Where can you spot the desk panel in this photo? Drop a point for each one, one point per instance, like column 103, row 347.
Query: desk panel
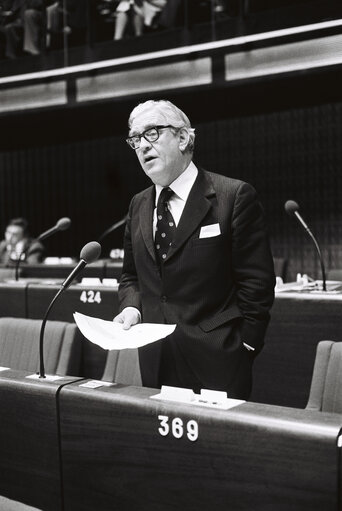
column 252, row 457
column 283, row 370
column 61, row 271
column 97, row 301
column 13, row 299
column 103, row 268
column 29, row 447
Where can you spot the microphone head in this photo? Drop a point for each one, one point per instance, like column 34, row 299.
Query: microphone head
column 90, row 252
column 63, row 223
column 291, row 207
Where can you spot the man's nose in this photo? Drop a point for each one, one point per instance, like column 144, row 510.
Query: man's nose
column 144, row 144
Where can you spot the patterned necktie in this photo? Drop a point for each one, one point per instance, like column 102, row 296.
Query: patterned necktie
column 166, row 226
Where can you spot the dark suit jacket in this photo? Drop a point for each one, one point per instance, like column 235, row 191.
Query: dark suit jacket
column 217, row 290
column 34, row 252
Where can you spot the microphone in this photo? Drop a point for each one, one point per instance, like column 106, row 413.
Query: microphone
column 62, row 224
column 113, row 228
column 291, row 208
column 89, row 253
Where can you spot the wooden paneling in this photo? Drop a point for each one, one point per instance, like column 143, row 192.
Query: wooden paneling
column 29, row 442
column 250, row 457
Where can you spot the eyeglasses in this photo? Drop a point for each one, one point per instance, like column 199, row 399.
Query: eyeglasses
column 151, row 135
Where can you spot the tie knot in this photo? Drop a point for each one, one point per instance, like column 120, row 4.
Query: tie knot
column 165, row 195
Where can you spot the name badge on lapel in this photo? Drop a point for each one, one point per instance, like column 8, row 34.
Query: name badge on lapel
column 209, row 231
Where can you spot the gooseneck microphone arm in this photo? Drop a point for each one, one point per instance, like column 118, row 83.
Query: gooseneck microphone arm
column 113, row 227
column 17, row 264
column 291, row 207
column 41, row 336
column 62, row 224
column 89, row 253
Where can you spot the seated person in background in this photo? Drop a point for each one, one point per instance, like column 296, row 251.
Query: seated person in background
column 17, row 241
column 34, row 25
column 144, row 13
column 151, row 11
column 22, row 23
column 74, row 18
column 11, row 30
column 123, row 11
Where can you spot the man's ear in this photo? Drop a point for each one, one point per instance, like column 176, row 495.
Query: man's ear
column 184, row 138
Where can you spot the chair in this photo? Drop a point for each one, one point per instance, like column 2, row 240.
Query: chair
column 326, row 384
column 122, row 366
column 19, row 346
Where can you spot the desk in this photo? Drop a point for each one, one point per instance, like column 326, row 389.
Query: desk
column 252, row 457
column 101, row 269
column 109, row 448
column 283, row 370
column 30, row 456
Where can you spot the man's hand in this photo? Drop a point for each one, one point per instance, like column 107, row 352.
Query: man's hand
column 128, row 317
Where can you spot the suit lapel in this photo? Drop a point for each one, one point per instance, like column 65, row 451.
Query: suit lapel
column 196, row 208
column 146, row 220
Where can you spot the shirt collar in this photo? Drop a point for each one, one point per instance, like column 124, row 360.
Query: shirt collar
column 183, row 184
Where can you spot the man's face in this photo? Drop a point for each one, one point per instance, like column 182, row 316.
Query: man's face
column 162, row 160
column 14, row 234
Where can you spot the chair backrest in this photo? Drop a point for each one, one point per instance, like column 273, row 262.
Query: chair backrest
column 326, row 384
column 122, row 366
column 19, row 346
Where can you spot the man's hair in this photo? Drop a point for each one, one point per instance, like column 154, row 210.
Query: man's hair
column 20, row 222
column 172, row 115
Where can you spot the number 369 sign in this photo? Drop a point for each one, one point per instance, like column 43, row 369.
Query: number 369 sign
column 177, row 428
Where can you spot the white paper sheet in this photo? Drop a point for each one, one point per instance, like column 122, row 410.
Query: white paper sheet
column 111, row 336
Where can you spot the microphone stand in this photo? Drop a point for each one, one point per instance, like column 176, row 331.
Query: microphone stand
column 89, row 254
column 291, row 208
column 17, row 264
column 41, row 338
column 324, row 284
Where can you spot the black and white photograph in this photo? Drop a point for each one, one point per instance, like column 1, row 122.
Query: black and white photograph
column 170, row 255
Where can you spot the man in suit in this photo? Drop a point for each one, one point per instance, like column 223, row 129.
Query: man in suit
column 18, row 242
column 197, row 255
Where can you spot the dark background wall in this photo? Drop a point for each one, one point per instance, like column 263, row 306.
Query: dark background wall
column 284, row 138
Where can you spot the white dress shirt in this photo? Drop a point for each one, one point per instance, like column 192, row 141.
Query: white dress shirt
column 181, row 188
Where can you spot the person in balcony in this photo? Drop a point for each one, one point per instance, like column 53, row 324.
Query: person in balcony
column 143, row 12
column 22, row 26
